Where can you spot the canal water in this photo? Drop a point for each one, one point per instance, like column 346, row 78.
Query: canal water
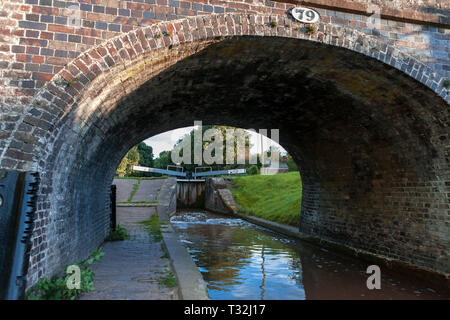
column 240, row 260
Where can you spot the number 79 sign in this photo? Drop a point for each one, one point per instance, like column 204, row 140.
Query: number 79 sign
column 305, row 15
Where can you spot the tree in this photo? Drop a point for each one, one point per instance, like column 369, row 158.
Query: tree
column 205, row 144
column 131, row 159
column 145, row 158
column 145, row 155
column 163, row 160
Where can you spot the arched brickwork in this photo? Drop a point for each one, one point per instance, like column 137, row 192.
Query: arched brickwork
column 369, row 138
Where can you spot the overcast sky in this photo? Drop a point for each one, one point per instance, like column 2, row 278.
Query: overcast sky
column 165, row 141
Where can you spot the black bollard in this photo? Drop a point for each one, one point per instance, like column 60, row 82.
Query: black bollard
column 113, row 206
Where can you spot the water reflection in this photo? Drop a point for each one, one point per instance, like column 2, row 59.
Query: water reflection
column 239, row 260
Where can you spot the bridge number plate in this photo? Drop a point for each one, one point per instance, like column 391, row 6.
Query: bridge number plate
column 305, row 15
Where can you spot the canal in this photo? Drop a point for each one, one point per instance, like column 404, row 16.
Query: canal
column 239, row 260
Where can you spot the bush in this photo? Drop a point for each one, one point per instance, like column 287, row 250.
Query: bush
column 253, row 170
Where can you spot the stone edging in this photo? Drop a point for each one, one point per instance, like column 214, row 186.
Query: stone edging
column 191, row 285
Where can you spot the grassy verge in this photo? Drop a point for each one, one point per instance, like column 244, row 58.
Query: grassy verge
column 56, row 288
column 272, row 197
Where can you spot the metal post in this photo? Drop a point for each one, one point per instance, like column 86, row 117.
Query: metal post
column 113, row 206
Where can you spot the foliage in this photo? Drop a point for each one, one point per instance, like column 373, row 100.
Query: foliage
column 145, row 158
column 447, row 83
column 311, row 29
column 253, row 170
column 272, row 197
column 55, row 288
column 169, row 280
column 291, row 164
column 205, row 144
column 118, row 234
column 273, row 24
column 131, row 159
column 154, row 227
column 163, row 160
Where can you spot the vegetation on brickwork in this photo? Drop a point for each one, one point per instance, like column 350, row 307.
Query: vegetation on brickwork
column 273, row 197
column 273, row 24
column 311, row 29
column 158, row 35
column 118, row 234
column 56, row 288
column 153, row 226
column 447, row 83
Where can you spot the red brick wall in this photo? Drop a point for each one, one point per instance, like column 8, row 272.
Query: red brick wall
column 37, row 131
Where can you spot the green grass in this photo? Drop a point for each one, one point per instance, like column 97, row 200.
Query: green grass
column 272, row 197
column 133, row 192
column 169, row 280
column 154, row 227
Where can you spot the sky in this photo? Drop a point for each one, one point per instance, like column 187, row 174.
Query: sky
column 165, row 141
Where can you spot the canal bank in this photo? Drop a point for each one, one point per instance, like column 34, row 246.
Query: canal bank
column 191, row 285
column 218, row 198
column 241, row 260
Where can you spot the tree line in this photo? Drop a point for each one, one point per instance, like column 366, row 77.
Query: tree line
column 142, row 155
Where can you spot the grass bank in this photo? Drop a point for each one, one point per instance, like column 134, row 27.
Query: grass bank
column 272, row 197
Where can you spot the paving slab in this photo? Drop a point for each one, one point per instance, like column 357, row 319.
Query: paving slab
column 124, row 187
column 130, row 269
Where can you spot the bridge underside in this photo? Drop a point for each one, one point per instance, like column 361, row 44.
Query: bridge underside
column 370, row 141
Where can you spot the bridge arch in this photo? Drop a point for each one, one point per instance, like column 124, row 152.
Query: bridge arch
column 369, row 138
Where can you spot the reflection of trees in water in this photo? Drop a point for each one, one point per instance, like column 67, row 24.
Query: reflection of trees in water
column 224, row 251
column 218, row 253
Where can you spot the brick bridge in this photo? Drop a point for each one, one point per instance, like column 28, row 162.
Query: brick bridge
column 363, row 111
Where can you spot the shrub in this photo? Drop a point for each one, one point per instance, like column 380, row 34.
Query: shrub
column 253, row 170
column 120, row 233
column 55, row 288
